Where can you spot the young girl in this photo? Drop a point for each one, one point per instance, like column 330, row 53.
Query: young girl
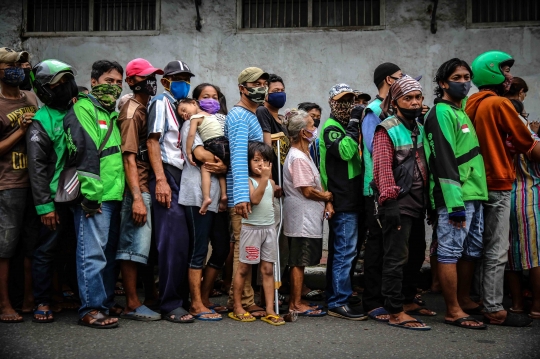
column 258, row 242
column 215, row 144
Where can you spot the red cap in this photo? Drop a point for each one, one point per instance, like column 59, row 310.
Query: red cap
column 141, row 67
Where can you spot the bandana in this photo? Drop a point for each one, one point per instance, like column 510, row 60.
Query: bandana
column 107, row 95
column 341, row 111
column 399, row 89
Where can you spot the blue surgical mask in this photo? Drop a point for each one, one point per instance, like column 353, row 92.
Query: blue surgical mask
column 277, row 99
column 13, row 76
column 179, row 89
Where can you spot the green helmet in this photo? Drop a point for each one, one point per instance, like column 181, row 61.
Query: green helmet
column 49, row 72
column 487, row 68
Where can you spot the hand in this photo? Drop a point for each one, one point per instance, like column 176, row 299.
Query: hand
column 328, row 196
column 278, row 191
column 425, row 109
column 392, row 215
column 163, row 193
column 190, row 159
column 431, row 217
column 458, row 219
column 329, row 210
column 534, row 126
column 26, row 121
column 243, row 209
column 265, row 171
column 139, row 212
column 217, row 168
column 89, row 212
column 357, row 112
column 50, row 220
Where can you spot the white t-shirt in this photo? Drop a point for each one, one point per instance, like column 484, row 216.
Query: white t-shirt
column 302, row 217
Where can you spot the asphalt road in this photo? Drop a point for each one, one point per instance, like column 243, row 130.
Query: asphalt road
column 326, row 337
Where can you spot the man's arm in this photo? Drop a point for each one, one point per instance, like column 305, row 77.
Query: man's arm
column 383, row 175
column 519, row 133
column 7, row 143
column 132, row 177
column 156, row 127
column 340, row 144
column 369, row 124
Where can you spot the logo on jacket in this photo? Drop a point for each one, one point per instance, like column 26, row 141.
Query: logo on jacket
column 35, row 137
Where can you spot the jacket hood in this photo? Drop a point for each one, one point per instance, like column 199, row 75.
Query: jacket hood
column 474, row 101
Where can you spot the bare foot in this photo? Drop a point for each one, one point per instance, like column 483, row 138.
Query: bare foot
column 202, row 309
column 204, row 205
column 223, row 204
column 403, row 317
column 9, row 315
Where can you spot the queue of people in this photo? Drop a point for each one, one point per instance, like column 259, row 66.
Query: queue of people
column 155, row 183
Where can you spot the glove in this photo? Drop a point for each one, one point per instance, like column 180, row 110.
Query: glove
column 89, row 208
column 391, row 213
column 353, row 129
column 357, row 112
column 457, row 217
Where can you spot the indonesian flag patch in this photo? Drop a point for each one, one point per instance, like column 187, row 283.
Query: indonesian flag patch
column 465, row 128
column 103, row 124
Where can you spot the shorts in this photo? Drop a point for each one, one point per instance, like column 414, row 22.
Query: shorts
column 465, row 243
column 18, row 221
column 219, row 146
column 258, row 243
column 305, row 252
column 134, row 241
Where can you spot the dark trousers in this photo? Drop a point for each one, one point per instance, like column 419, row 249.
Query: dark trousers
column 373, row 260
column 404, row 252
column 172, row 241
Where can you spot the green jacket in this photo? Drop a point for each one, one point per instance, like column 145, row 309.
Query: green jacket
column 453, row 154
column 46, row 148
column 102, row 177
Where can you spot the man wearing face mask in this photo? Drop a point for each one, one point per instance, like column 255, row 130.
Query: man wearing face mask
column 453, row 154
column 135, row 217
column 497, row 121
column 18, row 220
column 400, row 175
column 27, row 84
column 166, row 159
column 90, row 125
column 55, row 86
column 340, row 174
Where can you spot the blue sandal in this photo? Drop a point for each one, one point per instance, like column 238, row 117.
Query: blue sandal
column 45, row 313
column 377, row 312
column 199, row 316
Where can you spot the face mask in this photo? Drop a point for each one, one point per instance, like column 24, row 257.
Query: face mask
column 507, row 82
column 316, row 123
column 107, row 94
column 458, row 90
column 179, row 89
column 410, row 113
column 63, row 95
column 209, row 105
column 13, row 76
column 313, row 135
column 147, row 86
column 277, row 99
column 341, row 111
column 256, row 94
column 26, row 84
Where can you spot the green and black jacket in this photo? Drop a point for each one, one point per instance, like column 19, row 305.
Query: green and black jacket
column 453, row 154
column 101, row 177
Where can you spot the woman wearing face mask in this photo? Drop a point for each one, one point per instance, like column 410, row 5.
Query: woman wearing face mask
column 306, row 205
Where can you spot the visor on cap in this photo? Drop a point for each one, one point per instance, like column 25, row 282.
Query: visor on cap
column 252, row 74
column 9, row 55
column 59, row 75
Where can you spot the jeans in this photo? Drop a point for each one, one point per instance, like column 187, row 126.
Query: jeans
column 496, row 244
column 46, row 253
column 344, row 226
column 134, row 242
column 97, row 239
column 404, row 252
column 373, row 260
column 211, row 227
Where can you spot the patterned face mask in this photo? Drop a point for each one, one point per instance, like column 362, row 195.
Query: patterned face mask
column 107, row 94
column 341, row 111
column 256, row 94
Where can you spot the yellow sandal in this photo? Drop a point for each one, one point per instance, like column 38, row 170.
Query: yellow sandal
column 269, row 317
column 246, row 317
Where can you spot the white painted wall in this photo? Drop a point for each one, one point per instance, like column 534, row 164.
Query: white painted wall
column 309, row 62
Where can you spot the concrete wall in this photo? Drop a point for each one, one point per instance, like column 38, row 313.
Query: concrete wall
column 309, row 62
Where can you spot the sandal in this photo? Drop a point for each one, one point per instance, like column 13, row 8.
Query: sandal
column 218, row 308
column 273, row 319
column 178, row 313
column 404, row 326
column 311, row 313
column 316, row 295
column 116, row 311
column 418, row 300
column 45, row 313
column 378, row 312
column 245, row 317
column 142, row 313
column 200, row 316
column 3, row 318
column 418, row 311
column 534, row 315
column 459, row 323
column 511, row 320
column 94, row 319
column 119, row 290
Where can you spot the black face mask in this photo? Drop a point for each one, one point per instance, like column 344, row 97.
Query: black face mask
column 63, row 95
column 316, row 123
column 147, row 86
column 410, row 113
column 458, row 90
column 26, row 84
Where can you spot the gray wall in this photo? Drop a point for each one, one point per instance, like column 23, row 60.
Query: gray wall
column 309, row 62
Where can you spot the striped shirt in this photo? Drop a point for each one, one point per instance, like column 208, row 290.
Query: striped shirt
column 162, row 119
column 241, row 126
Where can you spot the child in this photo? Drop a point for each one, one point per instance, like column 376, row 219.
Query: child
column 258, row 241
column 215, row 144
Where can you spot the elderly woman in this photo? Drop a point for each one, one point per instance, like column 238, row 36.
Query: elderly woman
column 305, row 207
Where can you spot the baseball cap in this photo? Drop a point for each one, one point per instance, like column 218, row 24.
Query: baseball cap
column 339, row 90
column 141, row 67
column 177, row 67
column 358, row 93
column 59, row 75
column 9, row 55
column 252, row 74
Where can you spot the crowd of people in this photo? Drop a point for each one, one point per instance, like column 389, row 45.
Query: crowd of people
column 93, row 185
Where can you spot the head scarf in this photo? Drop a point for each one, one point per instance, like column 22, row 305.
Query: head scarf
column 399, row 89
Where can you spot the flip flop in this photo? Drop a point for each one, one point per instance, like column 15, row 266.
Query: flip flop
column 315, row 294
column 178, row 314
column 402, row 325
column 199, row 316
column 418, row 313
column 245, row 317
column 459, row 323
column 14, row 315
column 376, row 312
column 218, row 308
column 512, row 320
column 309, row 313
column 269, row 317
column 142, row 313
column 99, row 318
column 45, row 313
